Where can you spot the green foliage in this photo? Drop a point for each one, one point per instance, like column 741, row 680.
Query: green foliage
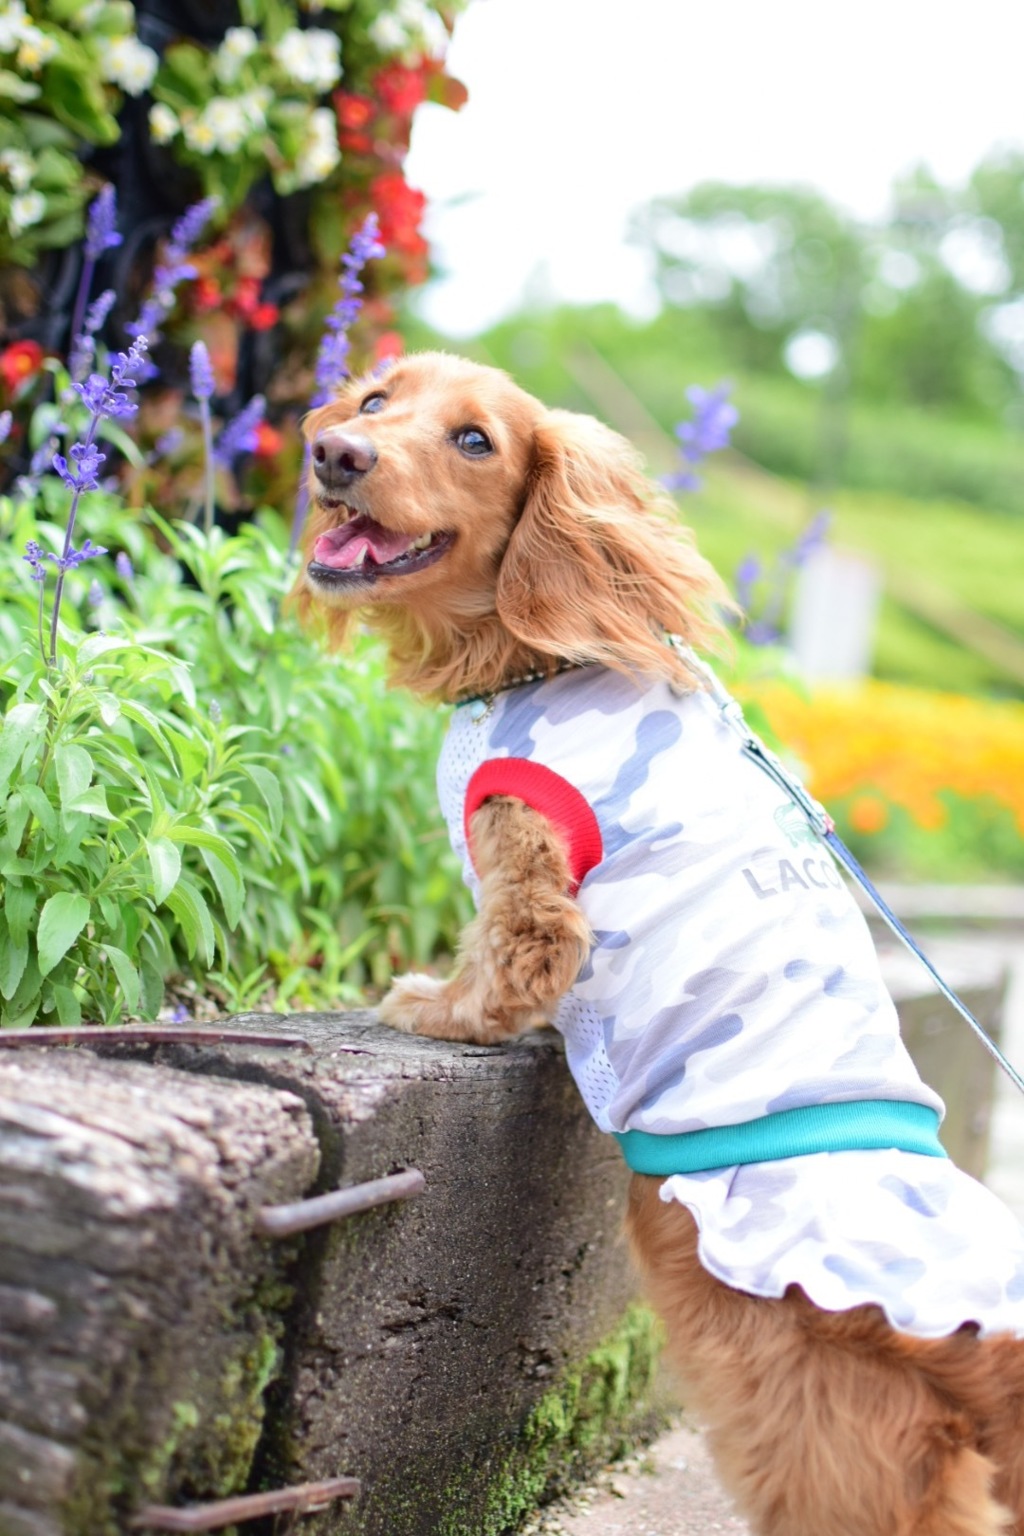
column 197, row 789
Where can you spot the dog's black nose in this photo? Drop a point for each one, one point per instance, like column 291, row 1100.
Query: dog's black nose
column 339, row 458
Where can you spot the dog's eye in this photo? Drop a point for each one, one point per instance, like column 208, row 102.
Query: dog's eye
column 372, row 404
column 473, row 443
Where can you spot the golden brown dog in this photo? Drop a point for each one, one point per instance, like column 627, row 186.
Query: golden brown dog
column 491, row 541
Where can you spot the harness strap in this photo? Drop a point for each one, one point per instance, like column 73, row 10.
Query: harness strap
column 822, row 823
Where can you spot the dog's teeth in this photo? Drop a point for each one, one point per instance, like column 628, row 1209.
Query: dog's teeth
column 360, row 558
column 422, row 541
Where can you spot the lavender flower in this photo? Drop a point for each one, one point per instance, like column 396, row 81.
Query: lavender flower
column 35, row 555
column 332, row 359
column 101, row 397
column 82, row 474
column 240, row 434
column 713, row 420
column 6, row 419
column 124, row 567
column 175, row 268
column 169, row 442
column 100, row 236
column 83, row 347
column 201, row 371
column 216, row 713
column 764, row 627
column 96, row 595
column 101, row 225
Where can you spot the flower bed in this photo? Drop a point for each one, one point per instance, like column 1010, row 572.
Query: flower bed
column 920, row 783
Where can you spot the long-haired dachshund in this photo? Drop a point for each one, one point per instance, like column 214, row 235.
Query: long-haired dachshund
column 844, row 1305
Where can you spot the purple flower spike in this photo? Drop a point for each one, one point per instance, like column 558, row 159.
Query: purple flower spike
column 239, row 436
column 6, row 420
column 96, row 595
column 124, row 567
column 332, row 359
column 191, row 225
column 714, row 418
column 201, row 370
column 101, row 225
column 83, row 473
column 34, row 556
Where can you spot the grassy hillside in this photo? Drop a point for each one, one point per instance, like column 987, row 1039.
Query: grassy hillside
column 937, row 503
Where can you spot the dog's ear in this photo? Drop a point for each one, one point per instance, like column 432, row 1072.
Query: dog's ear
column 598, row 566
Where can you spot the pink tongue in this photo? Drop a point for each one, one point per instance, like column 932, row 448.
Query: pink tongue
column 342, row 548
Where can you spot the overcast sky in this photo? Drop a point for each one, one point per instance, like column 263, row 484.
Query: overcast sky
column 581, row 110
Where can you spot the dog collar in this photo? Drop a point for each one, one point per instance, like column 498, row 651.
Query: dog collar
column 539, row 675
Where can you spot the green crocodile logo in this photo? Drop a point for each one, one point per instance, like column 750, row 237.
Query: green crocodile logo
column 791, row 821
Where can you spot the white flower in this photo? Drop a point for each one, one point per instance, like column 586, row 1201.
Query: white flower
column 27, row 208
column 35, row 48
column 163, row 123
column 17, row 166
column 238, row 44
column 312, row 57
column 387, row 33
column 199, row 135
column 254, row 105
column 14, row 23
column 424, row 25
column 319, row 153
column 126, row 62
column 228, row 122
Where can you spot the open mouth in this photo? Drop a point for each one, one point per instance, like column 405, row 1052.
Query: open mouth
column 362, row 551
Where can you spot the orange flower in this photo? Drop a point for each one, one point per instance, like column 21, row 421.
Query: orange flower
column 868, row 814
column 269, row 441
column 18, row 362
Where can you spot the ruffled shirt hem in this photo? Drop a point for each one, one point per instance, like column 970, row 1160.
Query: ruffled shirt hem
column 912, row 1235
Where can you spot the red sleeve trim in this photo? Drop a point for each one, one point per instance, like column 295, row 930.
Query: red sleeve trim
column 548, row 793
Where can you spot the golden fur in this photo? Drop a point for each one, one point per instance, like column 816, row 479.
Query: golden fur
column 823, row 1424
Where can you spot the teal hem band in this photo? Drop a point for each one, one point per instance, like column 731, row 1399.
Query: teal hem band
column 861, row 1126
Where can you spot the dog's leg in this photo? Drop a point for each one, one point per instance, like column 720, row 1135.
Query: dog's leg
column 522, row 951
column 819, row 1422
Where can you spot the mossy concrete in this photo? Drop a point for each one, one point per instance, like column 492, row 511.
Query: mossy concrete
column 462, row 1353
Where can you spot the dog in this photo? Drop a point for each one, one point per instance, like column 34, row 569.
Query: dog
column 844, row 1306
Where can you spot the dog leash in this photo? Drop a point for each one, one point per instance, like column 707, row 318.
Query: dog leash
column 824, row 827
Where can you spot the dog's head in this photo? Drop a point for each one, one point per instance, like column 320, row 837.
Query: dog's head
column 485, row 534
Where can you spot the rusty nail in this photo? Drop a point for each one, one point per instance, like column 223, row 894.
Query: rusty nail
column 143, row 1034
column 283, row 1220
column 302, row 1499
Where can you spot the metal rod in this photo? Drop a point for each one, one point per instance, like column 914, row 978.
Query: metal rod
column 145, row 1034
column 302, row 1500
column 283, row 1220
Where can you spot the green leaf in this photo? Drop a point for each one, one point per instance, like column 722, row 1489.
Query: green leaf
column 230, row 886
column 165, row 863
column 69, row 1009
column 76, row 96
column 74, row 772
column 60, row 922
column 19, row 905
column 13, row 958
column 16, row 89
column 187, row 903
column 94, row 803
column 152, row 989
column 270, row 793
column 39, row 804
column 127, row 975
column 21, row 724
column 17, row 819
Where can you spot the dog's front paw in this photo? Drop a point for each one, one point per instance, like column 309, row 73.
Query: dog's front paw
column 415, row 1004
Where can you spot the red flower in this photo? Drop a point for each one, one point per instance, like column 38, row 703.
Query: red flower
column 269, row 441
column 388, row 346
column 399, row 209
column 247, row 296
column 18, row 362
column 264, row 316
column 400, row 89
column 353, row 111
column 356, row 143
column 207, row 293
